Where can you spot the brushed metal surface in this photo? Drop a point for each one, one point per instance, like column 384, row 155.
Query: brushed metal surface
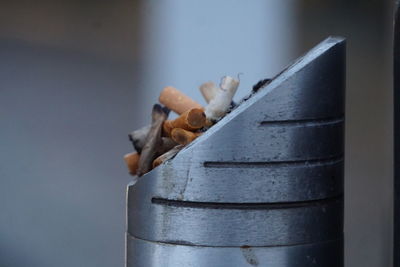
column 154, row 254
column 216, row 224
column 259, row 182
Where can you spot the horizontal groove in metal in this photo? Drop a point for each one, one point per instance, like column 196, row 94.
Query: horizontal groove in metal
column 303, row 123
column 243, row 206
column 286, row 163
column 232, row 227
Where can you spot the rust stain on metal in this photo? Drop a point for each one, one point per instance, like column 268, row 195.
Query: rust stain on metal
column 249, row 255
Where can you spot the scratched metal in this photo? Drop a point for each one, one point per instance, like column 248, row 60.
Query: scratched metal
column 256, row 182
column 213, row 224
column 270, row 173
column 153, row 254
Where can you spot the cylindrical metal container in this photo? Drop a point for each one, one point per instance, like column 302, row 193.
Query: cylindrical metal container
column 263, row 187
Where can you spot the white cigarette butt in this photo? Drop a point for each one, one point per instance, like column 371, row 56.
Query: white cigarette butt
column 220, row 104
column 208, row 90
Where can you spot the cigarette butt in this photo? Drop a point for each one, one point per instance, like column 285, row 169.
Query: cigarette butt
column 220, row 104
column 182, row 136
column 138, row 137
column 132, row 161
column 166, row 156
column 209, row 123
column 190, row 120
column 166, row 145
column 208, row 90
column 175, row 100
column 153, row 140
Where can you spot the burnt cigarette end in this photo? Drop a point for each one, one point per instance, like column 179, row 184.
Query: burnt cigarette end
column 261, row 84
column 157, row 108
column 153, row 140
column 138, row 138
column 166, row 110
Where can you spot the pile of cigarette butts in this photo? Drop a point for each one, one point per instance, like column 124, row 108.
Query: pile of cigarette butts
column 163, row 138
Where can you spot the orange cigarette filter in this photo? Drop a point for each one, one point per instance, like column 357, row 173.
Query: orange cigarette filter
column 175, row 100
column 158, row 161
column 183, row 137
column 190, row 120
column 132, row 161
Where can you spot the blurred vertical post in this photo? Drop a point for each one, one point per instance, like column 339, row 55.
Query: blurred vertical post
column 367, row 26
column 396, row 92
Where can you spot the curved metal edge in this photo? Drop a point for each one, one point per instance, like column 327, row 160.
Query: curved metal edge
column 141, row 253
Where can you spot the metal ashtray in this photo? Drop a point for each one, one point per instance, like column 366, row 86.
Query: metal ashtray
column 262, row 187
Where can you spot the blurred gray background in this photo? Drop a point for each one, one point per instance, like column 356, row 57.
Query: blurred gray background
column 77, row 76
